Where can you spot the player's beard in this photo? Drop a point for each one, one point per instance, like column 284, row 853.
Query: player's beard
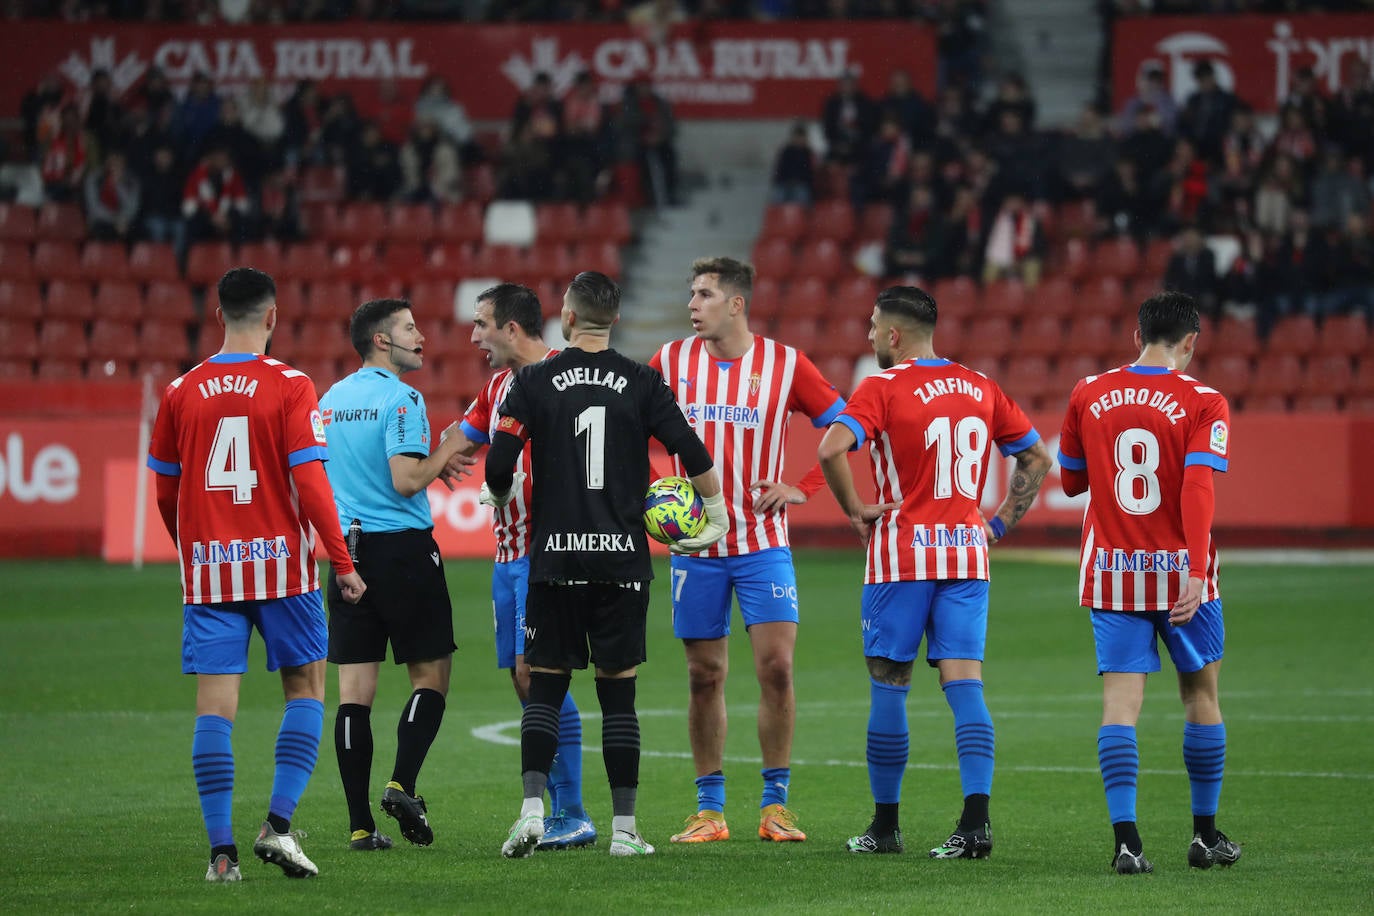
column 884, row 358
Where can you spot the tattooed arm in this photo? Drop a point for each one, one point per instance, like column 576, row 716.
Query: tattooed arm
column 1031, row 467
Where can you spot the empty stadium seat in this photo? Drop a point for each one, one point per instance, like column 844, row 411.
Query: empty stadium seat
column 60, row 368
column 449, row 261
column 783, row 221
column 316, row 217
column 104, row 261
column 60, row 222
column 838, row 371
column 1157, row 255
column 18, row 339
column 855, row 296
column 1041, row 335
column 69, row 299
column 832, row 219
column 308, row 261
column 432, row 300
column 821, row 258
column 264, row 256
column 62, row 337
column 465, row 295
column 1102, row 295
column 358, row 262
column 773, row 257
column 113, row 339
column 805, row 300
column 1330, row 374
column 460, row 222
column 956, row 297
column 1279, row 374
column 766, row 301
column 551, row 260
column 410, row 223
column 1265, row 403
column 323, row 184
column 988, row 337
column 378, row 288
column 1296, row 334
column 164, row 340
column 1069, row 369
column 16, row 261
column 1233, row 336
column 506, row 261
column 874, row 223
column 1054, row 296
column 153, row 261
column 171, row 301
column 328, row 300
column 1004, row 298
column 119, row 300
column 1072, row 258
column 608, row 220
column 16, row 369
column 358, row 223
column 1347, row 335
column 57, row 260
column 1096, row 336
column 509, row 222
column 557, row 222
column 479, row 183
column 20, row 300
column 17, row 223
column 864, row 366
column 1315, row 403
column 1230, row 374
column 207, row 262
column 599, row 256
column 1028, row 378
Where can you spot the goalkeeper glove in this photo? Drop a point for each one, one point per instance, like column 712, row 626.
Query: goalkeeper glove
column 499, row 502
column 717, row 523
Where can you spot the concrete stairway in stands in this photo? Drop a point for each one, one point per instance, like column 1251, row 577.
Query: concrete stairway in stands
column 1056, row 45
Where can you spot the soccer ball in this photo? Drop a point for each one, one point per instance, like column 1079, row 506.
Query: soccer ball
column 673, row 510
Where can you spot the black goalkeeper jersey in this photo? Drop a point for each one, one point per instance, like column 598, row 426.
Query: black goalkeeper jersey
column 589, row 417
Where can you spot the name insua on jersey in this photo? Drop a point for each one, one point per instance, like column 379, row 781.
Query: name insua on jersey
column 239, row 551
column 940, row 387
column 736, row 414
column 1139, row 397
column 582, row 375
column 1173, row 561
column 579, row 542
column 948, row 537
column 228, row 384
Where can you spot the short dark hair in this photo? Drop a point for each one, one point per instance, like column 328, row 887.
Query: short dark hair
column 513, row 302
column 595, row 297
column 369, row 318
column 909, row 303
column 737, row 276
column 1167, row 318
column 244, row 292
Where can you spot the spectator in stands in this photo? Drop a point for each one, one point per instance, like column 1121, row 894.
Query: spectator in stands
column 1229, row 192
column 909, row 107
column 1022, row 157
column 847, row 118
column 1084, row 158
column 394, row 116
column 1351, row 270
column 1244, row 138
column 1244, row 287
column 535, row 129
column 196, row 116
column 1296, row 140
column 960, row 28
column 1338, row 190
column 1207, row 114
column 1011, row 96
column 1280, row 190
column 881, row 176
column 1181, row 189
column 586, row 156
column 430, row 171
column 262, row 117
column 1350, row 119
column 1016, row 244
column 244, row 150
column 1193, row 270
column 1306, row 96
column 1153, row 95
column 647, row 126
column 373, row 166
column 148, row 130
column 155, row 94
column 160, row 214
column 339, row 128
column 104, row 116
column 65, row 158
column 794, row 169
column 112, row 199
column 1147, row 146
column 436, row 103
column 1301, row 266
column 41, row 110
column 955, row 119
column 917, row 240
column 215, row 201
column 964, row 233
column 303, row 121
column 653, row 20
column 1123, row 207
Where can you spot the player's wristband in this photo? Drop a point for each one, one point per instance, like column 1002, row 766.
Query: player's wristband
column 999, row 527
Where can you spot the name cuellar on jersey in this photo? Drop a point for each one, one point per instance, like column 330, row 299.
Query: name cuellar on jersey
column 510, row 523
column 587, row 418
column 231, row 429
column 930, row 425
column 740, row 410
column 1133, row 430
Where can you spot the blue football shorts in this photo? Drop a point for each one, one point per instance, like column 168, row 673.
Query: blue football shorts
column 510, row 587
column 764, row 583
column 214, row 637
column 952, row 615
column 1128, row 641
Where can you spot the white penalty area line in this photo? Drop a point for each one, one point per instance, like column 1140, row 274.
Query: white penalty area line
column 507, row 734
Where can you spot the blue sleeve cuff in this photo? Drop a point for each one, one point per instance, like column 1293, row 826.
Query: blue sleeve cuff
column 1020, row 445
column 830, row 414
column 854, row 428
column 1072, row 464
column 165, row 468
column 1215, row 462
column 313, row 453
column 474, row 434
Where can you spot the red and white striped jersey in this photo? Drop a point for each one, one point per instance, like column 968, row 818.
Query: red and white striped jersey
column 232, row 429
column 1133, row 430
column 511, row 523
column 740, row 409
column 930, row 425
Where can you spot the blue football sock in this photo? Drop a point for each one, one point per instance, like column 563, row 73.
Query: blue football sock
column 775, row 782
column 565, row 776
column 973, row 737
column 889, row 741
column 711, row 792
column 298, row 746
column 1119, row 758
column 212, row 760
column 1204, row 756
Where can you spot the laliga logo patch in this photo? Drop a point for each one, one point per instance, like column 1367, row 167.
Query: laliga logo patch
column 1219, row 437
column 317, row 424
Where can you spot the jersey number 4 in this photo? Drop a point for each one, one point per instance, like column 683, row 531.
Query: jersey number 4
column 230, row 464
column 959, row 455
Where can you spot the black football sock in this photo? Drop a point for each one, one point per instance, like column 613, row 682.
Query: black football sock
column 1126, row 833
column 278, row 823
column 415, row 732
column 353, row 748
column 975, row 812
column 885, row 818
column 1205, row 826
column 231, row 851
column 539, row 723
column 619, row 731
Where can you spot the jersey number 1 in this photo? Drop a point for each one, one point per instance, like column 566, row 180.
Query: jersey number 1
column 958, row 455
column 230, row 464
column 592, row 421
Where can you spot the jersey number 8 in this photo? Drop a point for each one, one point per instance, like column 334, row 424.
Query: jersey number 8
column 1137, row 459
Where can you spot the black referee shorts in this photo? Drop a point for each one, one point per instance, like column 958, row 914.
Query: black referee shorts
column 563, row 621
column 406, row 601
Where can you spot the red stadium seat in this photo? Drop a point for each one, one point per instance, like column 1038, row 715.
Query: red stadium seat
column 316, row 218
column 821, row 258
column 599, row 256
column 67, row 299
column 323, row 184
column 1157, row 255
column 557, row 222
column 806, row 299
column 1073, row 257
column 838, row 371
column 17, row 223
column 1347, row 335
column 479, row 183
column 988, row 337
column 120, row 301
column 1118, row 257
column 63, row 337
column 552, row 260
column 1266, row 403
column 450, row 262
column 783, row 221
column 1102, row 296
column 1234, row 336
column 1277, row 375
column 18, row 339
column 410, row 223
column 950, row 334
column 1004, row 298
column 20, row 300
column 379, row 288
column 874, row 223
column 264, row 256
column 150, row 262
column 16, row 369
column 1316, row 403
column 1028, row 378
column 855, row 296
column 1328, row 375
column 355, row 262
column 432, row 300
column 165, row 340
column 55, row 260
column 1295, row 334
column 61, row 222
column 766, row 301
column 114, row 340
column 104, row 261
column 1096, row 336
column 308, row 262
column 460, row 223
column 1229, row 374
column 61, row 368
column 608, row 220
column 832, row 219
column 361, row 223
column 505, row 262
column 403, row 259
column 1053, row 296
column 1042, row 335
column 171, row 301
column 1075, row 220
column 957, row 298
column 329, row 301
column 1069, row 369
column 773, row 257
column 16, row 261
column 207, row 262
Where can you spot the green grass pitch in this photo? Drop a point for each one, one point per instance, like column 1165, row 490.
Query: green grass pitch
column 99, row 811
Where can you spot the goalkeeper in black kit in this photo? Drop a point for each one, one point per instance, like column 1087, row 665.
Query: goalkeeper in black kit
column 588, row 413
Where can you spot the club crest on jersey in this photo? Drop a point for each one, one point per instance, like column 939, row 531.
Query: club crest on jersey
column 317, row 424
column 734, row 414
column 1219, row 437
column 755, row 382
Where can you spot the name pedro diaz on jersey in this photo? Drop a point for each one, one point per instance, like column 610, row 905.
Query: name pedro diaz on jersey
column 1138, row 397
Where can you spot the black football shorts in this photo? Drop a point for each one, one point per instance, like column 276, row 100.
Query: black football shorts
column 563, row 621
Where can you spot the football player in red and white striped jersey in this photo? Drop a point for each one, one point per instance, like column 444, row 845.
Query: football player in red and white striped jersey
column 739, row 390
column 930, row 424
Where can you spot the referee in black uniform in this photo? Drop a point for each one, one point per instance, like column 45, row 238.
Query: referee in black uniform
column 380, row 465
column 588, row 413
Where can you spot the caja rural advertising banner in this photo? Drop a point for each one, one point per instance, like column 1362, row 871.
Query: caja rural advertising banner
column 707, row 70
column 1255, row 57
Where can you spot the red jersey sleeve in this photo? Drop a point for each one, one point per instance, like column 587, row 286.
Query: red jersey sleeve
column 164, row 457
column 813, row 395
column 866, row 411
column 1012, row 430
column 1071, row 457
column 477, row 420
column 1209, row 441
column 304, row 432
